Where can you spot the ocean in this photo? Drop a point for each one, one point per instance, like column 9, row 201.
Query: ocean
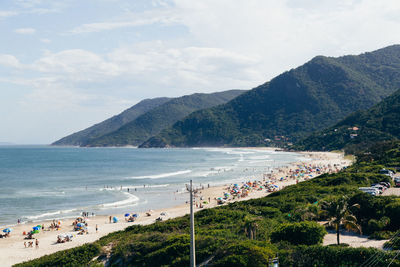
column 44, row 182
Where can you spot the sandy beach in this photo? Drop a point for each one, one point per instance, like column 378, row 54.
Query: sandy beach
column 12, row 249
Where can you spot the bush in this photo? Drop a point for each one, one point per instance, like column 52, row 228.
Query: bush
column 334, row 256
column 393, row 212
column 243, row 254
column 393, row 244
column 79, row 256
column 307, row 233
column 375, row 225
column 381, row 235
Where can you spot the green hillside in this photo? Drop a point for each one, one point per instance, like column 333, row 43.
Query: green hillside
column 111, row 124
column 161, row 117
column 296, row 103
column 379, row 123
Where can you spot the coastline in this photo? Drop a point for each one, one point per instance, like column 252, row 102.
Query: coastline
column 13, row 250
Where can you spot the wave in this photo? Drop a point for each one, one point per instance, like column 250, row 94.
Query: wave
column 50, row 214
column 260, row 157
column 141, row 186
column 132, row 199
column 162, row 175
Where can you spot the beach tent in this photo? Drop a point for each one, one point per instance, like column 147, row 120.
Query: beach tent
column 115, row 219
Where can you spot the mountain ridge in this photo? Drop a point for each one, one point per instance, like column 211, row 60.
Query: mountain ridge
column 292, row 105
column 110, row 124
column 152, row 122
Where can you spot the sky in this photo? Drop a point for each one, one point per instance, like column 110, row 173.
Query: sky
column 68, row 64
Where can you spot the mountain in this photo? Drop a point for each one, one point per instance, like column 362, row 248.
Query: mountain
column 111, row 124
column 161, row 117
column 296, row 103
column 379, row 123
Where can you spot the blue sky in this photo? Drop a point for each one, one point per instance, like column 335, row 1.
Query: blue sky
column 67, row 64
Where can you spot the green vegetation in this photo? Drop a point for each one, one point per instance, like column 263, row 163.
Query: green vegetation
column 71, row 257
column 152, row 122
column 252, row 232
column 299, row 233
column 294, row 104
column 360, row 129
column 111, row 124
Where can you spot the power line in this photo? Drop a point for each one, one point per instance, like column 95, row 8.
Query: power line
column 374, row 259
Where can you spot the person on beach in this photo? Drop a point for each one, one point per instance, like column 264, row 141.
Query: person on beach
column 37, row 243
column 109, row 218
column 97, row 228
column 25, row 244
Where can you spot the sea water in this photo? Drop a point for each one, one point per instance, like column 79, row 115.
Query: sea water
column 44, row 182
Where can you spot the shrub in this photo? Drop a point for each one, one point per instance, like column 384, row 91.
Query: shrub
column 334, row 256
column 381, row 235
column 243, row 254
column 393, row 212
column 79, row 256
column 307, row 233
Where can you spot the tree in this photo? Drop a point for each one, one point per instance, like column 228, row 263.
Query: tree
column 250, row 227
column 339, row 213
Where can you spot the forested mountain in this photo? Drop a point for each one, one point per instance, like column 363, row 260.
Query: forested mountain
column 161, row 117
column 111, row 124
column 296, row 103
column 379, row 123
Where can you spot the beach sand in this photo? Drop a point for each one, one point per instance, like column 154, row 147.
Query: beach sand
column 12, row 249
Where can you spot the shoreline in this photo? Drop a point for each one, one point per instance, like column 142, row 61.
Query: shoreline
column 13, row 250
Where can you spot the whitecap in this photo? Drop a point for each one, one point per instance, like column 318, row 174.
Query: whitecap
column 162, row 175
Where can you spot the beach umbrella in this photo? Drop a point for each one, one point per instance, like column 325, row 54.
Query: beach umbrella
column 36, row 228
column 7, row 230
column 134, row 215
column 39, row 226
column 115, row 219
column 127, row 214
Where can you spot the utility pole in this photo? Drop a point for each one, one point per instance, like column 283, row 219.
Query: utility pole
column 192, row 242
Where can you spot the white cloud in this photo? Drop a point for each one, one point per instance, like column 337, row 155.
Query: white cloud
column 9, row 61
column 26, row 31
column 76, row 65
column 129, row 20
column 5, row 14
column 45, row 40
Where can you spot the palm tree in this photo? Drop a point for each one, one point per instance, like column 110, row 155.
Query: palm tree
column 339, row 213
column 250, row 227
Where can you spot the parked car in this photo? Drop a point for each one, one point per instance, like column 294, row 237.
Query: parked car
column 381, row 188
column 397, row 181
column 387, row 184
column 370, row 190
column 386, row 172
